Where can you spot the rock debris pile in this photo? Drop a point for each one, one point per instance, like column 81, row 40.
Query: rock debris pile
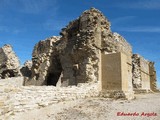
column 16, row 98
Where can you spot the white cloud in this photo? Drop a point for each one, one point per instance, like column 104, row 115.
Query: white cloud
column 6, row 29
column 56, row 24
column 124, row 19
column 36, row 6
column 29, row 6
column 140, row 29
column 141, row 4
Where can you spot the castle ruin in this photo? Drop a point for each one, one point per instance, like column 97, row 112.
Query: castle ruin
column 89, row 52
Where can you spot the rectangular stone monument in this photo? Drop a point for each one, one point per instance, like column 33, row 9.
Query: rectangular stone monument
column 115, row 76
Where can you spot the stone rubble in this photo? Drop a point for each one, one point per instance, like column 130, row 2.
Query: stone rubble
column 16, row 98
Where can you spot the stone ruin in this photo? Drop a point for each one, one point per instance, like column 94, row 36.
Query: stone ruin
column 153, row 79
column 144, row 74
column 89, row 52
column 9, row 63
column 26, row 69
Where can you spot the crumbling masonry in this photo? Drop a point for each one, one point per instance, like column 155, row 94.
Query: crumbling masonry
column 9, row 63
column 89, row 52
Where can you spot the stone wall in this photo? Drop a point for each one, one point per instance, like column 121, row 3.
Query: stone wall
column 115, row 76
column 26, row 69
column 86, row 38
column 76, row 56
column 153, row 78
column 9, row 63
column 141, row 76
column 46, row 68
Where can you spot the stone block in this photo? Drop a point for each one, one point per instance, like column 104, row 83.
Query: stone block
column 115, row 75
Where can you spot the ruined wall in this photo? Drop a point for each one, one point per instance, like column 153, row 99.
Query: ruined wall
column 9, row 63
column 86, row 38
column 46, row 67
column 141, row 77
column 153, row 77
column 26, row 69
column 83, row 44
column 124, row 47
column 76, row 56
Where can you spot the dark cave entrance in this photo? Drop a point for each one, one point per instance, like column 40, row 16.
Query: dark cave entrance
column 54, row 71
column 53, row 78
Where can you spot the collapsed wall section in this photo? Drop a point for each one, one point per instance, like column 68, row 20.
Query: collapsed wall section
column 153, row 77
column 26, row 69
column 141, row 75
column 46, row 68
column 9, row 63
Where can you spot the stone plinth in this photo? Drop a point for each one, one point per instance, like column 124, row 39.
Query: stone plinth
column 115, row 76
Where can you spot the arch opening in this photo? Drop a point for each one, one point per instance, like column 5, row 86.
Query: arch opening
column 54, row 71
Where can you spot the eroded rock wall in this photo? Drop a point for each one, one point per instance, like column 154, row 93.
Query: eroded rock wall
column 86, row 39
column 46, row 66
column 26, row 69
column 141, row 76
column 153, row 77
column 76, row 56
column 9, row 63
column 81, row 55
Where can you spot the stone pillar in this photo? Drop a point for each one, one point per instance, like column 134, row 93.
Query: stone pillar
column 115, row 76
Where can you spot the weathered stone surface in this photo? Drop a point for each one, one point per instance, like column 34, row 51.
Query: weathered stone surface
column 115, row 76
column 16, row 98
column 26, row 69
column 141, row 77
column 153, row 78
column 46, row 68
column 86, row 38
column 75, row 57
column 9, row 63
column 137, row 82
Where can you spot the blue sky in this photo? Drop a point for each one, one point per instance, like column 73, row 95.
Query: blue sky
column 24, row 22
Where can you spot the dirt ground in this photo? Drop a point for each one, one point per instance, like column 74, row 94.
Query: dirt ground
column 144, row 107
